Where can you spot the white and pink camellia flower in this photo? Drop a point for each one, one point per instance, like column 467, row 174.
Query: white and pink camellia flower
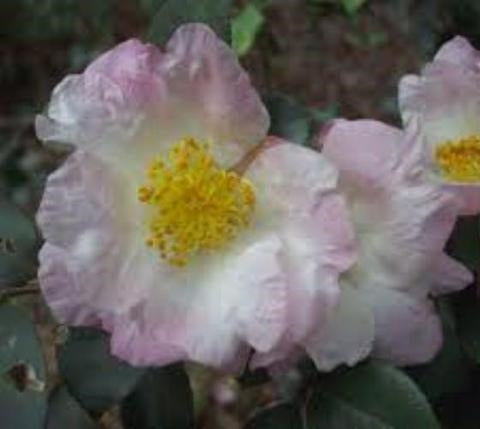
column 176, row 224
column 444, row 100
column 402, row 222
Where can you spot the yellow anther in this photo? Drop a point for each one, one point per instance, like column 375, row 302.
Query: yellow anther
column 459, row 160
column 144, row 194
column 197, row 205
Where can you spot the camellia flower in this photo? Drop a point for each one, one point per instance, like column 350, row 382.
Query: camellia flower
column 445, row 102
column 176, row 225
column 402, row 223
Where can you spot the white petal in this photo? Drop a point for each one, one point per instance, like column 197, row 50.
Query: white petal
column 348, row 336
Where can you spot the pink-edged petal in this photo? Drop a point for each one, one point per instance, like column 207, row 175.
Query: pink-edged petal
column 364, row 151
column 449, row 275
column 262, row 303
column 242, row 300
column 410, row 101
column 201, row 68
column 129, row 64
column 401, row 219
column 444, row 85
column 460, row 52
column 84, row 216
column 451, row 102
column 468, row 197
column 107, row 100
column 140, row 100
column 87, row 111
column 320, row 248
column 290, row 177
column 400, row 235
column 407, row 330
column 297, row 186
column 348, row 336
column 445, row 100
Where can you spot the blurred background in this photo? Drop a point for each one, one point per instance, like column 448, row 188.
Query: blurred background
column 336, row 57
column 322, row 58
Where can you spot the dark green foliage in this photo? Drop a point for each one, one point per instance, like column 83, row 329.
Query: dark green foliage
column 450, row 370
column 93, row 376
column 65, row 413
column 18, row 245
column 289, row 119
column 283, row 416
column 53, row 19
column 22, row 373
column 162, row 400
column 172, row 13
column 326, row 411
column 462, row 244
column 372, row 395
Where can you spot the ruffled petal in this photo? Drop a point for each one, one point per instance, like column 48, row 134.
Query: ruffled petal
column 400, row 235
column 449, row 275
column 298, row 187
column 459, row 51
column 364, row 151
column 407, row 330
column 402, row 221
column 444, row 103
column 468, row 197
column 445, row 97
column 204, row 70
column 84, row 216
column 450, row 96
column 142, row 100
column 239, row 301
column 410, row 101
column 348, row 336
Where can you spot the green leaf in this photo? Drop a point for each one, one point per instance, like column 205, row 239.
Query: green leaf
column 93, row 376
column 21, row 409
column 18, row 341
column 245, row 27
column 463, row 245
column 325, row 411
column 18, row 245
column 283, row 416
column 64, row 412
column 261, row 4
column 468, row 320
column 289, row 119
column 163, row 399
column 374, row 394
column 22, row 382
column 449, row 371
column 173, row 13
column 352, row 6
column 320, row 116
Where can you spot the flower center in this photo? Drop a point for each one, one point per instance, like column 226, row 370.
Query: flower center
column 196, row 205
column 459, row 160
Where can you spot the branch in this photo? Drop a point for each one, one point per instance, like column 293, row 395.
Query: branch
column 31, row 288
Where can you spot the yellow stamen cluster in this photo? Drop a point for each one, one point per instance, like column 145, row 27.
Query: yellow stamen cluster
column 459, row 160
column 197, row 205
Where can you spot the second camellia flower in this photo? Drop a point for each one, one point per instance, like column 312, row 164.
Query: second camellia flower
column 402, row 222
